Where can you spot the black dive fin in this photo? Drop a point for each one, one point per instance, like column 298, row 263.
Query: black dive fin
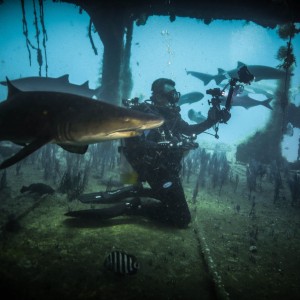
column 109, row 197
column 99, row 214
column 24, row 152
column 74, row 149
column 119, row 195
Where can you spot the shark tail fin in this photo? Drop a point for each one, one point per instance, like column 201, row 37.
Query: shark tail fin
column 266, row 103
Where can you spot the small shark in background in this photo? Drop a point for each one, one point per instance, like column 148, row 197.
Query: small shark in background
column 260, row 72
column 196, row 116
column 247, row 102
column 190, row 98
column 33, row 119
column 257, row 90
column 254, row 88
column 49, row 84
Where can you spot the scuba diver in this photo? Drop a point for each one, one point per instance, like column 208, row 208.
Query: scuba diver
column 156, row 158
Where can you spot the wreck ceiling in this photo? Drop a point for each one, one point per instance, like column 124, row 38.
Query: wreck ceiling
column 267, row 13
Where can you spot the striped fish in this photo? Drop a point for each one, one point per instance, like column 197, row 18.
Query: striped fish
column 122, row 263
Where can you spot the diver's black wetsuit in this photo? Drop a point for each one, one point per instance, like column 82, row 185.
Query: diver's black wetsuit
column 156, row 157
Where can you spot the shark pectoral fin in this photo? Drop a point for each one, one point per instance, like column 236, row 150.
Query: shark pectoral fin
column 24, row 152
column 74, row 149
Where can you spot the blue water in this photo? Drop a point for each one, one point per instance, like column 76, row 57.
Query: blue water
column 159, row 49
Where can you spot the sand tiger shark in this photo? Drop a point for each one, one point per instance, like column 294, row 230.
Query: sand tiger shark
column 260, row 72
column 35, row 118
column 50, row 84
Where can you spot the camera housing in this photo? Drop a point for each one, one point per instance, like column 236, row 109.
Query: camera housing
column 244, row 75
column 216, row 92
column 130, row 102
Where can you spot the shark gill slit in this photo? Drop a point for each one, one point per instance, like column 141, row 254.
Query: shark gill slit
column 64, row 132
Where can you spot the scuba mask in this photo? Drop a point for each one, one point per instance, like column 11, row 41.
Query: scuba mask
column 171, row 94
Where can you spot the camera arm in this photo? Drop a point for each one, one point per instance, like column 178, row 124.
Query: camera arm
column 232, row 83
column 244, row 77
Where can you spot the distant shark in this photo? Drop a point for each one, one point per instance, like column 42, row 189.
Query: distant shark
column 33, row 119
column 190, row 98
column 196, row 116
column 49, row 84
column 260, row 72
column 247, row 102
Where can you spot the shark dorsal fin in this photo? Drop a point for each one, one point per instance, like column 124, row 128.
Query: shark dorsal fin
column 221, row 71
column 12, row 90
column 64, row 78
column 240, row 64
column 85, row 84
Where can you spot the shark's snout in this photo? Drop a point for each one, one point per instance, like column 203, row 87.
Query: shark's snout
column 142, row 121
column 152, row 122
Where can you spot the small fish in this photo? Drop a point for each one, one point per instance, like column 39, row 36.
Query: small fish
column 121, row 263
column 38, row 188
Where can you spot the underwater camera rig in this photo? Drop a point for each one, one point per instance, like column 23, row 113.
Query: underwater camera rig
column 185, row 143
column 244, row 77
column 130, row 102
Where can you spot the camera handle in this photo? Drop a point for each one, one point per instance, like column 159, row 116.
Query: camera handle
column 232, row 83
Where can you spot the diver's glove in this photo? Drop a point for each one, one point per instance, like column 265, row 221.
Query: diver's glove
column 218, row 115
column 224, row 115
